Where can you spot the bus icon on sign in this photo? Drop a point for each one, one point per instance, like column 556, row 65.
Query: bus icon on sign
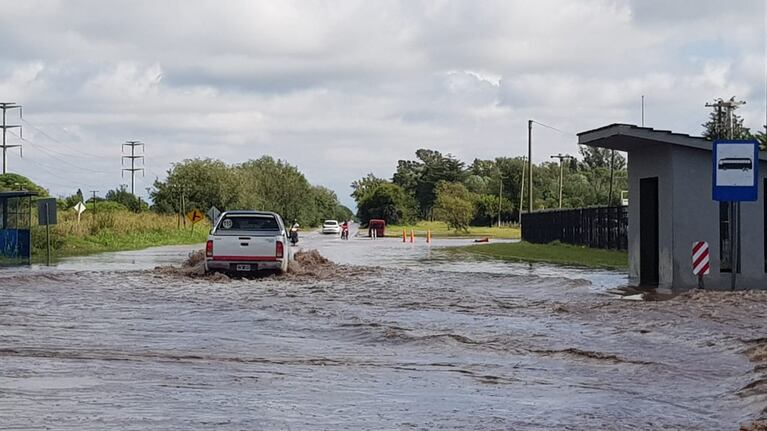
column 741, row 163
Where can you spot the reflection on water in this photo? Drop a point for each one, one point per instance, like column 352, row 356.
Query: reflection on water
column 409, row 338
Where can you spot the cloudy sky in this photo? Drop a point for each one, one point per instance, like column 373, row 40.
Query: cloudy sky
column 343, row 88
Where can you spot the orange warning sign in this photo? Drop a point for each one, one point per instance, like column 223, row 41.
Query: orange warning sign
column 194, row 215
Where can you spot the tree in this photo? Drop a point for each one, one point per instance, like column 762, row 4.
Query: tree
column 122, row 196
column 275, row 185
column 454, row 205
column 718, row 126
column 487, row 207
column 203, row 183
column 364, row 186
column 343, row 213
column 11, row 182
column 595, row 157
column 326, row 203
column 389, row 202
column 761, row 137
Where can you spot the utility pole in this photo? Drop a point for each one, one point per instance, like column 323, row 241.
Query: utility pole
column 94, row 203
column 612, row 176
column 5, row 106
column 133, row 157
column 500, row 198
column 530, row 163
column 643, row 110
column 522, row 190
column 561, row 157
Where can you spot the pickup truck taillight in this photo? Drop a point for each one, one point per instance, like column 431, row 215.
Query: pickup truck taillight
column 209, row 248
column 279, row 249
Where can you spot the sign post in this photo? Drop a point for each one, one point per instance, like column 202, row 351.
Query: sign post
column 700, row 261
column 79, row 209
column 735, row 179
column 194, row 216
column 213, row 214
column 46, row 216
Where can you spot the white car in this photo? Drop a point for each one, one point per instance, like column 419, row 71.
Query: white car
column 331, row 227
column 247, row 241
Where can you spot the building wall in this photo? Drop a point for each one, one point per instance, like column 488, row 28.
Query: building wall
column 696, row 218
column 653, row 160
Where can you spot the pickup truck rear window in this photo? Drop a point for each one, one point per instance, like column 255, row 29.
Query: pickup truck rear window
column 248, row 223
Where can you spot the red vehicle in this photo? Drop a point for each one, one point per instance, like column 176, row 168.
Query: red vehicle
column 376, row 228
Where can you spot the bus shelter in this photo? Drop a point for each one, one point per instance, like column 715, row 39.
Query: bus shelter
column 16, row 227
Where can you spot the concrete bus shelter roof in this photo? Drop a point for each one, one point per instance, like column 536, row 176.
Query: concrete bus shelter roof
column 630, row 137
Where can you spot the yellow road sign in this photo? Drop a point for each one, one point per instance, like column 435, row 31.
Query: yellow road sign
column 194, row 215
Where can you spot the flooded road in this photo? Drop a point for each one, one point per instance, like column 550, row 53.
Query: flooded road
column 397, row 336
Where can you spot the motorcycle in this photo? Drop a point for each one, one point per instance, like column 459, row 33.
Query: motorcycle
column 294, row 235
column 345, row 233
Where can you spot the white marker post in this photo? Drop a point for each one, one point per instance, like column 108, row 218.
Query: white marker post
column 79, row 209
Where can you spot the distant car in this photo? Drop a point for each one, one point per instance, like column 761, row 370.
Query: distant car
column 247, row 242
column 331, row 227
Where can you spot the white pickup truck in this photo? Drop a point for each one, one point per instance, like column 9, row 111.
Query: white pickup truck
column 247, row 241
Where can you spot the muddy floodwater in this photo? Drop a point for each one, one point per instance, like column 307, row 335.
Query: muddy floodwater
column 392, row 336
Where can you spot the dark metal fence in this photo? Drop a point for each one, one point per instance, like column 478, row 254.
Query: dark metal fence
column 602, row 227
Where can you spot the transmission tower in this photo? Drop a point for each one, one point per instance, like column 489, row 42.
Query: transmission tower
column 133, row 157
column 5, row 106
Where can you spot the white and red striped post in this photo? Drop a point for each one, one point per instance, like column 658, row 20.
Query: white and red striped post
column 700, row 261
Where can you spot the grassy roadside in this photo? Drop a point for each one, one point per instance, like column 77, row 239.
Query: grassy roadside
column 439, row 229
column 112, row 231
column 555, row 253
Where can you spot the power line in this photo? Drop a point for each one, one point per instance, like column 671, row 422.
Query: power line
column 5, row 106
column 133, row 157
column 42, row 132
column 53, row 154
column 554, row 128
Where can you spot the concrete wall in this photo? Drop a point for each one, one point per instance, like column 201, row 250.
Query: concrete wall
column 696, row 218
column 654, row 160
column 687, row 213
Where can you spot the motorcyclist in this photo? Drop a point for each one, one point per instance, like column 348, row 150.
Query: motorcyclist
column 345, row 230
column 294, row 232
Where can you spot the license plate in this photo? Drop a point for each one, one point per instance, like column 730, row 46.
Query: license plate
column 243, row 267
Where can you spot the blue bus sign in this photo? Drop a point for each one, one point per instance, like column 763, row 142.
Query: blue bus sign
column 735, row 170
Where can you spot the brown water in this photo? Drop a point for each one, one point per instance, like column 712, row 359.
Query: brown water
column 394, row 336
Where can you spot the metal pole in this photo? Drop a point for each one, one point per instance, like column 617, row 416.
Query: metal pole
column 522, row 191
column 643, row 110
column 48, row 234
column 612, row 176
column 183, row 206
column 5, row 149
column 733, row 244
column 500, row 201
column 560, row 182
column 529, row 164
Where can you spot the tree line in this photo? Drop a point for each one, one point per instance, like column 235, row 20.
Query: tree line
column 264, row 184
column 434, row 186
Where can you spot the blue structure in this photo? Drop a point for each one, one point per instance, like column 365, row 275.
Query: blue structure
column 15, row 227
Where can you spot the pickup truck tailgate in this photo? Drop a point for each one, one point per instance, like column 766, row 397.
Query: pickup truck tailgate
column 244, row 247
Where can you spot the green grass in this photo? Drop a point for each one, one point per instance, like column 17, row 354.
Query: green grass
column 439, row 229
column 555, row 253
column 113, row 232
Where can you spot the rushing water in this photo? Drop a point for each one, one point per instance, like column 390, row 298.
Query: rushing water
column 399, row 336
